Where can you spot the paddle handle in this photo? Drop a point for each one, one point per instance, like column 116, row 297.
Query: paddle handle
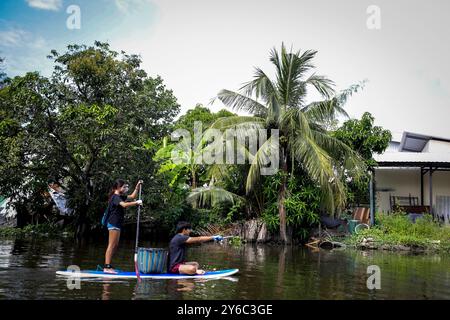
column 136, row 268
column 138, row 221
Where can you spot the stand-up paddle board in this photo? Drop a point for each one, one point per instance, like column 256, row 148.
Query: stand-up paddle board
column 132, row 275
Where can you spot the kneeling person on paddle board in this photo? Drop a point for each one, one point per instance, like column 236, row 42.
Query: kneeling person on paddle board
column 177, row 250
column 118, row 201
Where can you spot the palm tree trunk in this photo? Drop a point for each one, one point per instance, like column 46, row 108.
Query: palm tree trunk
column 282, row 197
column 194, row 186
column 194, row 179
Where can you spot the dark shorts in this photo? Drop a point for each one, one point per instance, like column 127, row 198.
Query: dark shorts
column 113, row 227
column 176, row 268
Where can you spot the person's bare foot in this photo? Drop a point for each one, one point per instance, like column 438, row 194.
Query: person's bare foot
column 109, row 270
column 200, row 272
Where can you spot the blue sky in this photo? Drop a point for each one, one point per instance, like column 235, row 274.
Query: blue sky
column 29, row 29
column 202, row 46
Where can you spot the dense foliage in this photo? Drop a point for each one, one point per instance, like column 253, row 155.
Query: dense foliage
column 100, row 117
column 302, row 204
column 200, row 114
column 304, row 142
column 84, row 126
column 366, row 139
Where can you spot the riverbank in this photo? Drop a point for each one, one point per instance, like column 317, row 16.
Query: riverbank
column 43, row 230
column 393, row 232
column 396, row 232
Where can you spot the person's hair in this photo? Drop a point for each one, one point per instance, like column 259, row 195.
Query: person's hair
column 183, row 225
column 117, row 184
column 53, row 180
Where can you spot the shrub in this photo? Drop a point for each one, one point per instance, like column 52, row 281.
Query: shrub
column 397, row 229
column 302, row 204
column 41, row 230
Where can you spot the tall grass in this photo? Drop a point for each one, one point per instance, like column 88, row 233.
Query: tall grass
column 397, row 229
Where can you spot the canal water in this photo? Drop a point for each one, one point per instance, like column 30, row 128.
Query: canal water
column 27, row 271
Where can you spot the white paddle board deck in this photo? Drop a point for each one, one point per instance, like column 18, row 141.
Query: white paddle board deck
column 132, row 275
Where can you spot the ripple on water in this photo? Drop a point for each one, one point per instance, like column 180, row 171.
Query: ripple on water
column 27, row 271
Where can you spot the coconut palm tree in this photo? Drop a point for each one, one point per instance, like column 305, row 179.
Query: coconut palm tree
column 280, row 103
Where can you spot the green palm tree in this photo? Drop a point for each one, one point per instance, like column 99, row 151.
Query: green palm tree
column 303, row 138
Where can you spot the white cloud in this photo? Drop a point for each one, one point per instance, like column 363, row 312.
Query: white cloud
column 125, row 5
column 54, row 5
column 20, row 38
column 11, row 38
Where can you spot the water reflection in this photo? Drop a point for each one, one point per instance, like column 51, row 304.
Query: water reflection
column 106, row 291
column 185, row 285
column 27, row 271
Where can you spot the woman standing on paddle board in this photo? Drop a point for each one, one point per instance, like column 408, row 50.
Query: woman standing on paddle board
column 118, row 201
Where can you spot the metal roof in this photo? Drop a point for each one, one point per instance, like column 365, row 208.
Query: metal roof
column 416, row 159
column 409, row 152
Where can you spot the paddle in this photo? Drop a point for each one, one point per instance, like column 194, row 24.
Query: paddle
column 137, row 237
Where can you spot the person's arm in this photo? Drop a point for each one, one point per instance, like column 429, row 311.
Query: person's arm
column 136, row 191
column 192, row 240
column 130, row 204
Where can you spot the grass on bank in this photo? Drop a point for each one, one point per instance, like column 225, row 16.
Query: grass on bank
column 397, row 229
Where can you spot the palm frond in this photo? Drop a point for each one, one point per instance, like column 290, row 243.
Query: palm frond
column 322, row 112
column 247, row 122
column 236, row 131
column 316, row 162
column 266, row 154
column 323, row 85
column 291, row 88
column 207, row 197
column 240, row 102
column 330, row 109
column 342, row 154
column 296, row 123
column 218, row 172
column 347, row 93
column 261, row 86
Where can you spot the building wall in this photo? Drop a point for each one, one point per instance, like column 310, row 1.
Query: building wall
column 393, row 146
column 406, row 181
column 437, row 146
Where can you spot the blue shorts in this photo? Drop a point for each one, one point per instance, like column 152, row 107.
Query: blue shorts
column 112, row 227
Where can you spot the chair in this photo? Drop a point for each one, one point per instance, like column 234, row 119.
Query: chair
column 397, row 202
column 361, row 214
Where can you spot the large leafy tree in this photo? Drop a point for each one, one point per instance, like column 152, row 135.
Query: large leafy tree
column 85, row 126
column 366, row 139
column 200, row 114
column 280, row 103
column 189, row 169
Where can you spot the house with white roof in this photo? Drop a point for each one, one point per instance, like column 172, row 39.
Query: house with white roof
column 413, row 174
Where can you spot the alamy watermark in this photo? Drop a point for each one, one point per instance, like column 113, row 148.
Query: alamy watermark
column 73, row 22
column 231, row 146
column 373, row 21
column 74, row 281
column 374, row 280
